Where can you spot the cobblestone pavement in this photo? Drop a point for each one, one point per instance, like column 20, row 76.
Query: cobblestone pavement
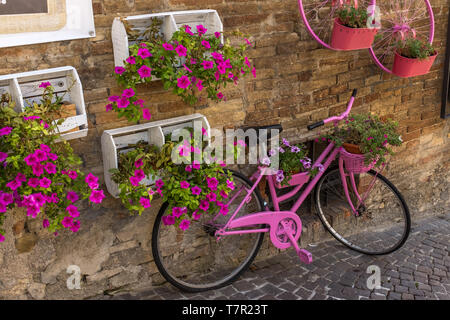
column 419, row 270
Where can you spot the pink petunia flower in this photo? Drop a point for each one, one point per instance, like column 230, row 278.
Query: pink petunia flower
column 14, row 185
column 177, row 212
column 183, row 82
column 3, row 156
column 73, row 211
column 167, row 46
column 211, row 197
column 204, row 205
column 97, row 196
column 201, row 29
column 75, row 226
column 139, row 174
column 254, row 72
column 139, row 103
column 146, row 114
column 72, row 196
column 184, row 184
column 45, row 148
column 38, row 169
column 223, row 194
column 199, row 85
column 206, row 44
column 113, row 98
column 67, row 222
column 184, row 225
column 181, row 50
column 196, row 190
column 187, row 29
column 50, row 168
column 220, row 95
column 196, row 215
column 45, row 85
column 217, row 34
column 144, row 53
column 128, row 93
column 159, row 183
column 134, row 181
column 207, row 64
column 131, row 60
column 2, row 238
column 119, row 70
column 145, row 72
column 108, row 107
column 72, row 175
column 139, row 163
column 123, row 103
column 168, row 220
column 145, row 202
column 45, row 223
column 45, row 183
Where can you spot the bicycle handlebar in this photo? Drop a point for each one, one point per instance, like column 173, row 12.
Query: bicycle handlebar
column 336, row 118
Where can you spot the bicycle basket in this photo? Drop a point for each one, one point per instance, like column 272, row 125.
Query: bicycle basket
column 354, row 163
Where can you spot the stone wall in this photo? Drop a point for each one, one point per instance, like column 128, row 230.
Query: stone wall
column 297, row 82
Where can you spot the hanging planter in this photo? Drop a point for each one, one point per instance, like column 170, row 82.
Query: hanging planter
column 407, row 67
column 346, row 38
column 413, row 57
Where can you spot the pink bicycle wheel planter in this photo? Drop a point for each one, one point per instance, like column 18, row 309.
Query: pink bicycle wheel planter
column 406, row 67
column 354, row 163
column 345, row 38
column 296, row 179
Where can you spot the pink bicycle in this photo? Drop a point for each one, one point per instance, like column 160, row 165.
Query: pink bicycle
column 357, row 205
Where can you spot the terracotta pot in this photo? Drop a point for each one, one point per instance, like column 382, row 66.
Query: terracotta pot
column 345, row 38
column 352, row 148
column 407, row 67
column 296, row 179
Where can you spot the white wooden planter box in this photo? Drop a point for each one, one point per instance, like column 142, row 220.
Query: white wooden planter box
column 172, row 21
column 24, row 89
column 117, row 141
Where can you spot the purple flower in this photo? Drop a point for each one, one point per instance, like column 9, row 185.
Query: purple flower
column 128, row 93
column 45, row 183
column 184, row 185
column 139, row 174
column 73, row 211
column 123, row 103
column 75, row 226
column 211, row 197
column 119, row 70
column 3, row 156
column 108, row 107
column 91, row 180
column 181, row 50
column 134, row 181
column 177, row 212
column 72, row 196
column 67, row 222
column 167, row 46
column 146, row 114
column 265, row 161
column 201, row 29
column 31, row 159
column 206, row 44
column 188, row 30
column 196, row 215
column 139, row 163
column 204, row 205
column 183, row 82
column 168, row 220
column 212, row 183
column 131, row 60
column 6, row 199
column 50, row 168
column 295, row 149
column 196, row 190
column 217, row 34
column 97, row 196
column 113, row 98
column 207, row 64
column 184, row 225
column 230, row 184
column 144, row 53
column 14, row 185
column 223, row 194
column 41, row 155
column 224, row 210
column 188, row 168
column 72, row 175
column 45, row 85
column 45, row 223
column 2, row 238
column 145, row 72
column 145, row 202
column 159, row 183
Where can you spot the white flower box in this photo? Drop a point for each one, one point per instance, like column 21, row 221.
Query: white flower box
column 117, row 141
column 172, row 21
column 24, row 90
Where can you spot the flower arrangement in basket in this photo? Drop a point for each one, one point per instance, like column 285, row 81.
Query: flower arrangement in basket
column 191, row 187
column 367, row 137
column 37, row 172
column 188, row 64
column 350, row 29
column 294, row 166
column 413, row 57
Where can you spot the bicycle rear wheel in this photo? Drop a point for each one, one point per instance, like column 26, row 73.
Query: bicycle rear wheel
column 384, row 222
column 194, row 260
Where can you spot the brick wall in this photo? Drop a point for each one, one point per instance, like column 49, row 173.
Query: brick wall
column 297, row 82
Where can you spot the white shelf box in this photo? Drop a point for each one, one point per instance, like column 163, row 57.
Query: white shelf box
column 116, row 141
column 172, row 21
column 24, row 90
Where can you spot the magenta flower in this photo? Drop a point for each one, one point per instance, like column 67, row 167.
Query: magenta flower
column 223, row 194
column 45, row 223
column 3, row 156
column 33, row 211
column 184, row 185
column 369, row 138
column 217, row 56
column 14, row 185
column 131, row 60
column 196, row 215
column 31, row 160
column 211, row 197
column 75, row 226
column 206, row 44
column 193, row 61
column 145, row 71
column 254, row 72
column 204, row 205
column 97, row 196
column 221, row 68
column 207, row 64
column 72, row 196
column 6, row 198
column 139, row 174
column 72, row 175
column 145, row 202
column 108, row 107
column 187, row 29
column 45, row 183
column 119, row 70
column 139, row 163
column 199, row 85
column 177, row 212
column 144, row 53
column 50, row 168
column 45, row 148
column 220, row 95
column 196, row 190
column 167, row 46
column 159, row 183
column 2, row 238
column 54, row 198
column 21, row 177
column 224, row 210
column 91, row 179
column 188, row 70
column 123, row 103
column 41, row 155
column 181, row 50
column 201, row 29
column 196, row 165
column 113, row 98
column 146, row 114
column 45, row 85
column 183, row 82
column 217, row 34
column 139, row 103
column 184, row 225
column 134, row 181
column 247, row 62
column 73, row 211
column 168, row 220
column 128, row 93
column 38, row 170
column 67, row 222
column 230, row 184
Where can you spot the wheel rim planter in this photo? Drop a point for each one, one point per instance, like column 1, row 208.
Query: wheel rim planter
column 407, row 67
column 354, row 163
column 345, row 38
column 296, row 179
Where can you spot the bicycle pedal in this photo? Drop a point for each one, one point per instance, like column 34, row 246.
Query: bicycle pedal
column 305, row 256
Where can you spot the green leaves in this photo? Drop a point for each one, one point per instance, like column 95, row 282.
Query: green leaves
column 352, row 17
column 415, row 48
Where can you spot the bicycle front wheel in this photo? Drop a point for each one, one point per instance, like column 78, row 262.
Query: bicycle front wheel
column 383, row 223
column 195, row 260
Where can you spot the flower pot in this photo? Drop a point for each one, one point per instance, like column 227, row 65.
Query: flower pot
column 345, row 38
column 296, row 179
column 66, row 110
column 352, row 148
column 354, row 162
column 407, row 67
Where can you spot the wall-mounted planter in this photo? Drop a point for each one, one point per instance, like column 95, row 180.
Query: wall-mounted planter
column 296, row 179
column 345, row 38
column 406, row 67
column 117, row 141
column 171, row 22
column 24, row 89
